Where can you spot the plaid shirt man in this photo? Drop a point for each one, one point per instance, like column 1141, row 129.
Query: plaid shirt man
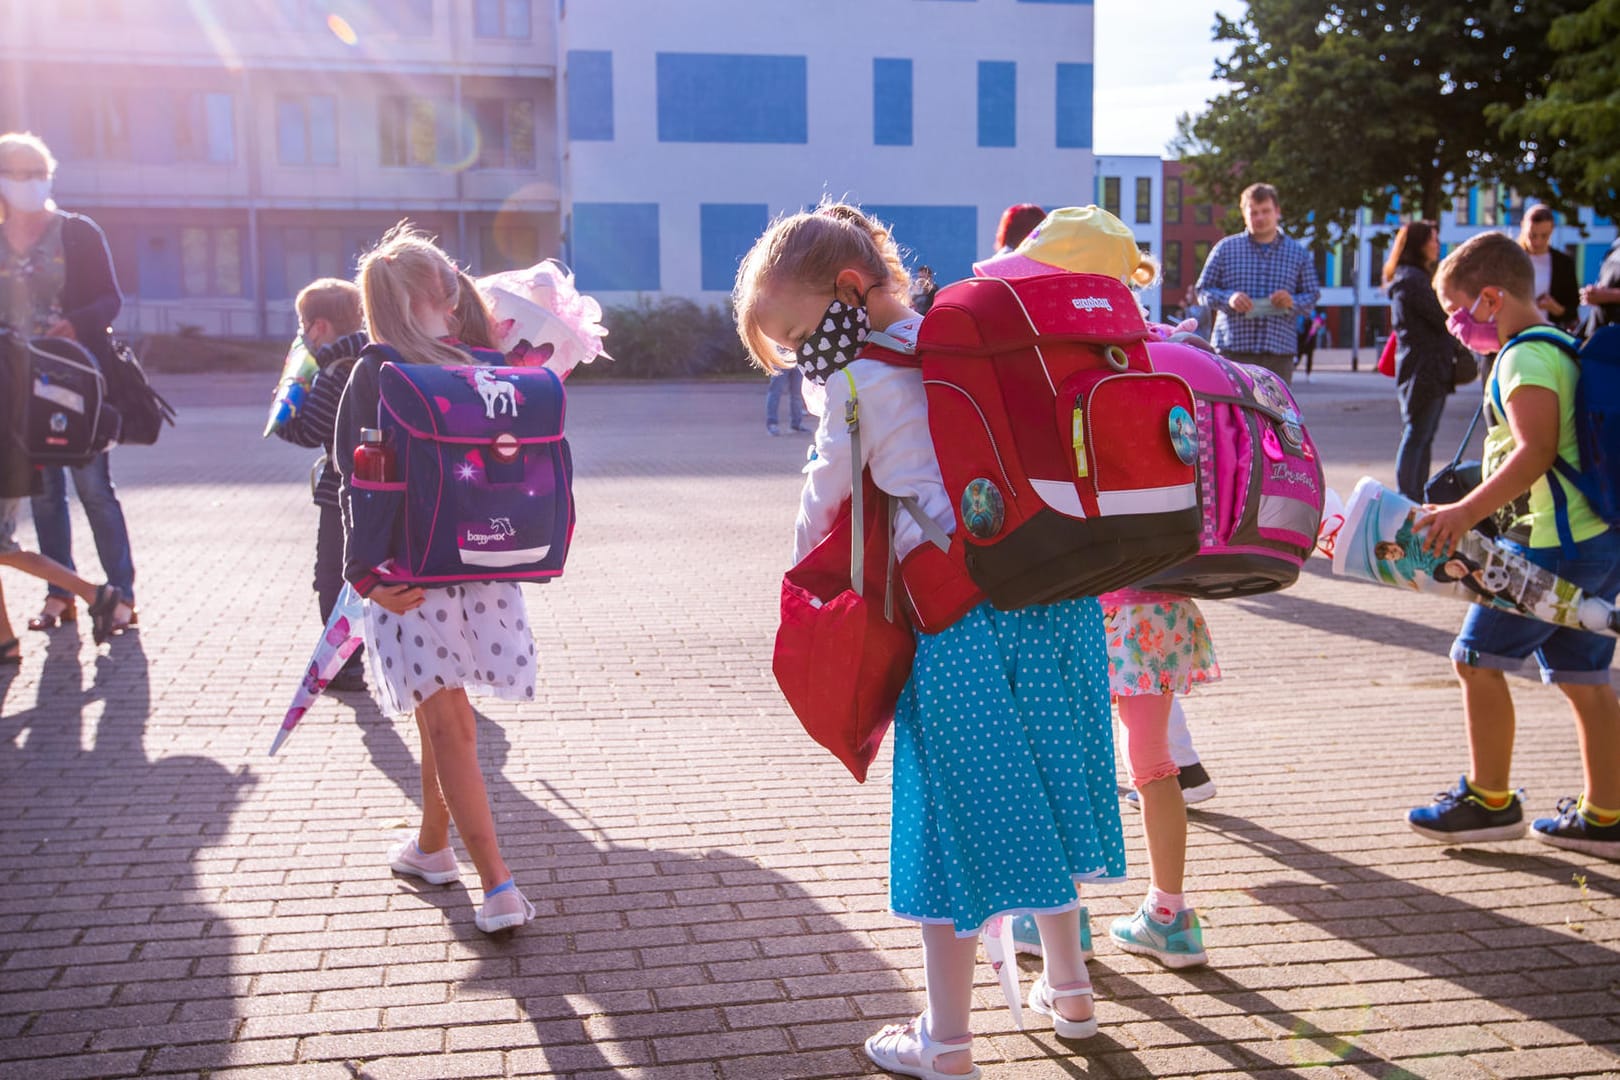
column 1240, row 264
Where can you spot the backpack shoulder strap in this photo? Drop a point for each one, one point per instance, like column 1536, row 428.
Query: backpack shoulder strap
column 889, row 349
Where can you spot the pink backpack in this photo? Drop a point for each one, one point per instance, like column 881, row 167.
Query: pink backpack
column 1260, row 479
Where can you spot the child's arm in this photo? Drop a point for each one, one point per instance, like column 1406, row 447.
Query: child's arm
column 1532, row 416
column 827, row 476
column 312, row 426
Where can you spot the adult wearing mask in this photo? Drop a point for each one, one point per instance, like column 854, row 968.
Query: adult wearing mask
column 1424, row 350
column 1557, row 287
column 56, row 280
column 1256, row 280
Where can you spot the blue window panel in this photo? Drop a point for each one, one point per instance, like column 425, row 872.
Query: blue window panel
column 725, row 98
column 943, row 237
column 322, row 130
column 615, row 247
column 998, row 103
column 158, row 264
column 590, row 95
column 1074, row 97
column 292, row 144
column 1593, row 260
column 729, row 230
column 891, row 102
column 219, row 123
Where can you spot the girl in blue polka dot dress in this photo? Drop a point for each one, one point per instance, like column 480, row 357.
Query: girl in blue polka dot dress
column 1004, row 794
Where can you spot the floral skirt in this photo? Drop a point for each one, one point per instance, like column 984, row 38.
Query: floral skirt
column 1161, row 648
column 1004, row 790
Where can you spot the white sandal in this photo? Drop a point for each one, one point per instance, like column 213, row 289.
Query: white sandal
column 1042, row 998
column 884, row 1050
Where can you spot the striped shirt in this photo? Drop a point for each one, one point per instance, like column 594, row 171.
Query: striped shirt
column 314, row 425
column 1239, row 264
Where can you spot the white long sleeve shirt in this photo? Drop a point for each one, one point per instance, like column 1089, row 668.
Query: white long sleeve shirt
column 894, row 442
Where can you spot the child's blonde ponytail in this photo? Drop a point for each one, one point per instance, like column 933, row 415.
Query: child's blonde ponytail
column 405, row 269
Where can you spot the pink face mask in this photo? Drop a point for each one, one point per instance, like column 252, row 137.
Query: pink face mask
column 1477, row 334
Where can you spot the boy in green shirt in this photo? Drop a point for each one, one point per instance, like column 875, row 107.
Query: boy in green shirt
column 1488, row 288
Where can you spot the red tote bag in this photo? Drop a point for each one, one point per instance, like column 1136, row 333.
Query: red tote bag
column 1386, row 359
column 844, row 647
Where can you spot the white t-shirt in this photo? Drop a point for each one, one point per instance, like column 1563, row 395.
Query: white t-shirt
column 1543, row 265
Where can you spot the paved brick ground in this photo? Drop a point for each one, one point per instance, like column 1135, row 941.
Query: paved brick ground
column 711, row 885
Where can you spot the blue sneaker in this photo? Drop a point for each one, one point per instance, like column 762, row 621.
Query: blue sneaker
column 1458, row 816
column 1027, row 938
column 1572, row 829
column 1178, row 944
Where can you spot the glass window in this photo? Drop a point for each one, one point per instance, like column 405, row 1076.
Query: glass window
column 502, row 18
column 1172, row 201
column 1459, row 207
column 306, row 130
column 115, row 140
column 194, row 260
column 1110, row 194
column 1488, row 212
column 204, row 128
column 1203, row 214
column 505, row 133
column 415, row 132
column 1172, row 264
column 1201, row 254
column 1144, row 200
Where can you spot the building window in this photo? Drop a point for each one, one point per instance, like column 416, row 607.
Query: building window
column 505, row 133
column 414, row 133
column 114, row 114
column 1489, row 214
column 728, row 231
column 502, row 19
column 1172, row 200
column 1110, row 194
column 211, row 261
column 1201, row 254
column 1144, row 200
column 590, row 95
column 205, row 128
column 1172, row 264
column 998, row 103
column 306, row 254
column 891, row 102
column 1203, row 214
column 306, row 130
column 616, row 247
column 733, row 98
column 1074, row 92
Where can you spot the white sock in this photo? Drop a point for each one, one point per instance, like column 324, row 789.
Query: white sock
column 1164, row 906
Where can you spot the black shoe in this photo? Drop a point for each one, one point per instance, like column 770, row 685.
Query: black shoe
column 1195, row 784
column 350, row 678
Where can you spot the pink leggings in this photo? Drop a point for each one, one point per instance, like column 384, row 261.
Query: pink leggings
column 1146, row 720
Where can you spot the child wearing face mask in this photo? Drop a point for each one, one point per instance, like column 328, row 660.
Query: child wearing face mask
column 1488, row 288
column 1003, row 751
column 332, row 325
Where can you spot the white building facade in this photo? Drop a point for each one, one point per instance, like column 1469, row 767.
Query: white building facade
column 1131, row 187
column 690, row 126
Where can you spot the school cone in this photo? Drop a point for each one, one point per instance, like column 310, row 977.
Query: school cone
column 338, row 642
column 1004, row 962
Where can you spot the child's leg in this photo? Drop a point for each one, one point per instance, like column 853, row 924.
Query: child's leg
column 434, row 835
column 449, row 724
column 1182, row 750
column 1597, row 719
column 1164, row 814
column 1488, row 712
column 50, row 570
column 948, row 963
column 1065, row 967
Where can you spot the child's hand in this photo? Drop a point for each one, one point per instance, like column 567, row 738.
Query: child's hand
column 1445, row 525
column 398, row 599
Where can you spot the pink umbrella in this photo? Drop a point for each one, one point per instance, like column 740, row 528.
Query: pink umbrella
column 338, row 642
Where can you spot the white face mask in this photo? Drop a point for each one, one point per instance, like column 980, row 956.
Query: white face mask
column 25, row 196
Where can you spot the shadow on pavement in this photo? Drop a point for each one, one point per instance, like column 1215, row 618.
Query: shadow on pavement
column 593, row 1001
column 115, row 941
column 1342, row 880
column 1343, row 620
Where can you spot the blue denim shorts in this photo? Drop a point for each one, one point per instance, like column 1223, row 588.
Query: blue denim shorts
column 10, row 511
column 1501, row 640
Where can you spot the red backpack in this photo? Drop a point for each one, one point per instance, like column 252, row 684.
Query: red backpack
column 1070, row 461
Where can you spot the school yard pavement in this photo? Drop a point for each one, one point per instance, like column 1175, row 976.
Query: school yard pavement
column 711, row 885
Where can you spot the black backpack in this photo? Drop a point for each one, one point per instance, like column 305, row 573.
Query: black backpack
column 143, row 409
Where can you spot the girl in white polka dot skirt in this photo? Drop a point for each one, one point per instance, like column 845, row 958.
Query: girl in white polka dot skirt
column 1004, row 795
column 428, row 647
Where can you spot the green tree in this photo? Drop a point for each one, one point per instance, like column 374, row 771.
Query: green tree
column 1345, row 105
column 1574, row 127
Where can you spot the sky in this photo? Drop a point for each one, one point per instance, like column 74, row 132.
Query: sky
column 1154, row 60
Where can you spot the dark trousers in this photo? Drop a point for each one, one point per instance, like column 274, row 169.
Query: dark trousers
column 1420, row 419
column 329, row 569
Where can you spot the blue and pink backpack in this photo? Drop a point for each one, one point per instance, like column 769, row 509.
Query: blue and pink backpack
column 484, row 474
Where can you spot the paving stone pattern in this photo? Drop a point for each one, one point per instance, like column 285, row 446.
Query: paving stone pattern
column 711, row 885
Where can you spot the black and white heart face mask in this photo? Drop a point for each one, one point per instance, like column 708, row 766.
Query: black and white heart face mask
column 834, row 342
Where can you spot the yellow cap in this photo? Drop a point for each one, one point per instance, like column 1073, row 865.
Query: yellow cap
column 1078, row 239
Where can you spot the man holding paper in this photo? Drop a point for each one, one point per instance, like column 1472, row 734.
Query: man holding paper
column 1256, row 281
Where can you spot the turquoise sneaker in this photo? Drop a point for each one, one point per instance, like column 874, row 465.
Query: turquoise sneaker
column 1027, row 939
column 1178, row 945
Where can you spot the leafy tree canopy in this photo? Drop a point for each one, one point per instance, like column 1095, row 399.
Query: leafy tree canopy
column 1344, row 105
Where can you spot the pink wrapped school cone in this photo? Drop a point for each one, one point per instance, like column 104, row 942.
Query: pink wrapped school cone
column 1377, row 540
column 338, row 642
column 1004, row 962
